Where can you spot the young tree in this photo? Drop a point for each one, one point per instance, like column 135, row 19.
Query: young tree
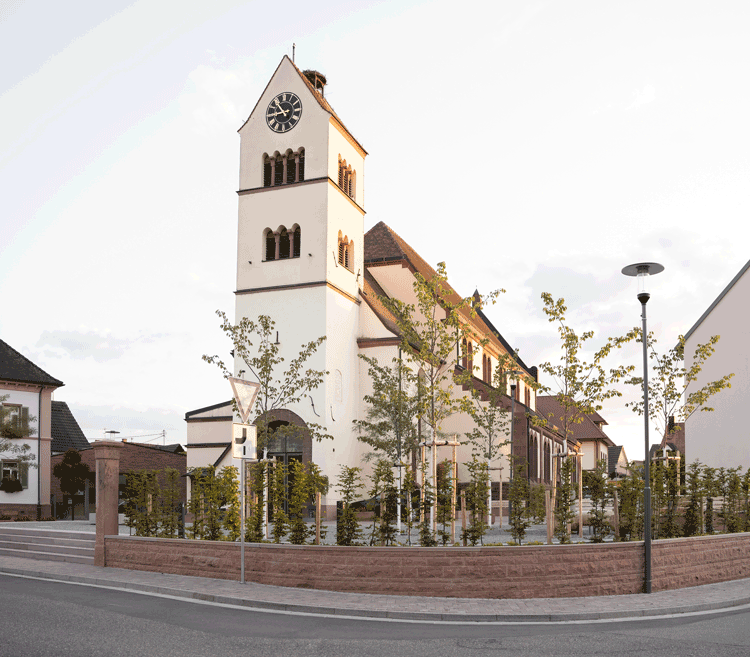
column 476, row 501
column 580, row 385
column 73, row 475
column 431, row 332
column 281, row 385
column 595, row 484
column 631, row 505
column 384, row 493
column 564, row 511
column 692, row 525
column 519, row 520
column 348, row 531
column 671, row 386
column 444, row 500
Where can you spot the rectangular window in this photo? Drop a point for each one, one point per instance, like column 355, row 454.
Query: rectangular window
column 15, row 471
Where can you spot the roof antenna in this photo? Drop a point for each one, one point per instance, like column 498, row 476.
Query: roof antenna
column 294, row 46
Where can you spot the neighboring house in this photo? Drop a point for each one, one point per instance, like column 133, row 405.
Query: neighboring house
column 133, row 456
column 66, row 434
column 618, row 462
column 595, row 443
column 674, row 438
column 720, row 438
column 304, row 259
column 28, row 392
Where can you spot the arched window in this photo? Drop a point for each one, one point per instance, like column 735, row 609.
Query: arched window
column 347, row 178
column 270, row 239
column 346, row 252
column 284, row 169
column 471, row 358
column 284, row 243
column 296, row 242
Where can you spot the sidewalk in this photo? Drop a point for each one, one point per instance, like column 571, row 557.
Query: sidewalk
column 720, row 596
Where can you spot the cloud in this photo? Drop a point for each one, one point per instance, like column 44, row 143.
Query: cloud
column 642, row 97
column 80, row 345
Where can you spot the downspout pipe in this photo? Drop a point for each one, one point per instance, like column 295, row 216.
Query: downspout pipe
column 39, row 459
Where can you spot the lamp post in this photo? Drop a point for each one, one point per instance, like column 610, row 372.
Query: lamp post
column 642, row 271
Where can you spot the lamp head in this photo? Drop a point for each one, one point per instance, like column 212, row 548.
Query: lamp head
column 642, row 271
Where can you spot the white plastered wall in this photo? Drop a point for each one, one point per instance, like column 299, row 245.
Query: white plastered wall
column 720, row 438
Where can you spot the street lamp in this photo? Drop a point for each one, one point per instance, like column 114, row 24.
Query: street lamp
column 643, row 271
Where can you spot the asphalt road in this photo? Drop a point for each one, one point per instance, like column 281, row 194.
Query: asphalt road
column 41, row 618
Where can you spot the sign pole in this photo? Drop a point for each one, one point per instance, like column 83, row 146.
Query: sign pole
column 242, row 522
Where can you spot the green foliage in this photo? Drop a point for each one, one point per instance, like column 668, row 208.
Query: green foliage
column 595, row 485
column 444, row 508
column 518, row 495
column 277, row 495
column 476, row 501
column 409, row 488
column 631, row 505
column 206, row 498
column 396, row 400
column 672, row 387
column 281, row 385
column 385, row 495
column 142, row 506
column 348, row 531
column 256, row 484
column 580, row 385
column 733, row 502
column 169, row 506
column 431, row 331
column 692, row 524
column 564, row 505
column 537, row 504
column 426, row 535
column 229, row 487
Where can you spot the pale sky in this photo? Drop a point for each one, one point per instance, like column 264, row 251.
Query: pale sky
column 533, row 146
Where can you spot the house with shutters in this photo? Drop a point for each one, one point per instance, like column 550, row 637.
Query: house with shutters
column 26, row 396
column 305, row 259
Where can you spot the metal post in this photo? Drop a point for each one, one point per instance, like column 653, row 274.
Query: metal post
column 242, row 521
column 643, row 298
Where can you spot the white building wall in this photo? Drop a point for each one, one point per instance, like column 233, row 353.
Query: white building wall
column 720, row 438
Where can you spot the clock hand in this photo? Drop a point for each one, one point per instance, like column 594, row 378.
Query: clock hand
column 280, row 107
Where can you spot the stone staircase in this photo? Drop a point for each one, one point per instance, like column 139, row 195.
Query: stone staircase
column 46, row 544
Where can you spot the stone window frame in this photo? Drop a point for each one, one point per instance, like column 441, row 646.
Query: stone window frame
column 284, row 169
column 275, row 239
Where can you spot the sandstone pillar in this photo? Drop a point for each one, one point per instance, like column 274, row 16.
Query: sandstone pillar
column 107, row 455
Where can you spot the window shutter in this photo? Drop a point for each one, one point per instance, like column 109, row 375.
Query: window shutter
column 24, row 420
column 341, row 175
column 23, row 469
column 341, row 253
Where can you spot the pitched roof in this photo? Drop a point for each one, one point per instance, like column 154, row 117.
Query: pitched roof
column 551, row 408
column 316, row 94
column 613, row 456
column 66, row 434
column 19, row 369
column 724, row 292
column 383, row 245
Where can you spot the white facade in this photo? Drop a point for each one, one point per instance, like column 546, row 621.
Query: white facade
column 720, row 438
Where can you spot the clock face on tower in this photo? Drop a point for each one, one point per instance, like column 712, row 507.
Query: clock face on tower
column 284, row 112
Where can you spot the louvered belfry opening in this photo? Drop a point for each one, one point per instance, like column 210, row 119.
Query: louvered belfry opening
column 301, row 165
column 284, row 244
column 297, row 243
column 267, row 171
column 284, row 169
column 291, row 168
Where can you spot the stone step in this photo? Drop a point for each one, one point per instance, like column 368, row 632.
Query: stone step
column 7, row 529
column 46, row 547
column 47, row 556
column 72, row 541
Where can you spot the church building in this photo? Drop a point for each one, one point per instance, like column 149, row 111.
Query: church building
column 304, row 259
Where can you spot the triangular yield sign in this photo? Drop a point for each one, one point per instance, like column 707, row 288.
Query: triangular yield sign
column 245, row 393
